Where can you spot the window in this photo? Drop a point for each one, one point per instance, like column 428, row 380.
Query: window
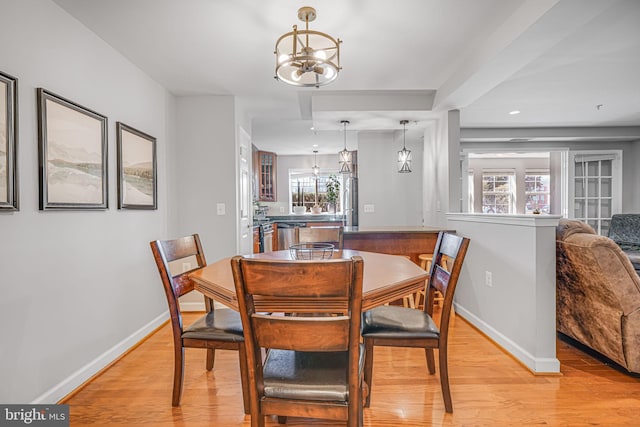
column 537, row 192
column 497, row 192
column 471, row 199
column 303, row 187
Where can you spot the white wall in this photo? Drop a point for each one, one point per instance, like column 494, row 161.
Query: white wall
column 633, row 205
column 518, row 310
column 78, row 287
column 442, row 189
column 206, row 165
column 396, row 197
column 205, row 176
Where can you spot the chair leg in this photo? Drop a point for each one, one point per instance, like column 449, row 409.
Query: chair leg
column 408, row 301
column 244, row 379
column 178, row 374
column 444, row 380
column 257, row 421
column 360, row 404
column 368, row 368
column 431, row 364
column 211, row 356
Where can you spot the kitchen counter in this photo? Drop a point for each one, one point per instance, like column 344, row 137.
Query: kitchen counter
column 409, row 241
column 395, row 240
column 307, row 218
column 390, row 229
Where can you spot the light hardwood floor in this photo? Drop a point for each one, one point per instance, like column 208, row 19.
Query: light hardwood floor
column 489, row 388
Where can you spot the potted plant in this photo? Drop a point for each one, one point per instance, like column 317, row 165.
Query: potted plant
column 333, row 192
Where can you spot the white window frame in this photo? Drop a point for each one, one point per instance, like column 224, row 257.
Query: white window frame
column 616, row 181
column 536, row 172
column 511, row 173
column 308, row 174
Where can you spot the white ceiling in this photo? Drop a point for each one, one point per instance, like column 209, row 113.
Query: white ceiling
column 554, row 60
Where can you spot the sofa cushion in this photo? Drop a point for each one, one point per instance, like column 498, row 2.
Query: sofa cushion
column 598, row 296
column 568, row 227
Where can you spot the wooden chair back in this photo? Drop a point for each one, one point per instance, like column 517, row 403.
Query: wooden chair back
column 323, row 234
column 218, row 329
column 338, row 280
column 175, row 259
column 448, row 256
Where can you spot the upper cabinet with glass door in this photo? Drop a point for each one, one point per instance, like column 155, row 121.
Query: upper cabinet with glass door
column 265, row 164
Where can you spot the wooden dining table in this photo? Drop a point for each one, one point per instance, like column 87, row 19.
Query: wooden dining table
column 386, row 278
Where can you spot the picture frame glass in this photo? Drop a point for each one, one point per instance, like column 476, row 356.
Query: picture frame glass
column 137, row 169
column 4, row 143
column 8, row 143
column 74, row 153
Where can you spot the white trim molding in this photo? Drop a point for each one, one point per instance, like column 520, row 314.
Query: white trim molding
column 79, row 377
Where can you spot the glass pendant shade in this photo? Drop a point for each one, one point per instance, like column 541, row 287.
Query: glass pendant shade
column 315, row 169
column 306, row 57
column 404, row 155
column 345, row 161
column 344, row 156
column 404, row 161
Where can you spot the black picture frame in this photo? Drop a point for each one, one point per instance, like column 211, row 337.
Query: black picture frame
column 72, row 154
column 137, row 169
column 9, row 195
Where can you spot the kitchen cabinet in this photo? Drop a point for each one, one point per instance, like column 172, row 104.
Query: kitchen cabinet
column 264, row 170
column 256, row 240
column 275, row 237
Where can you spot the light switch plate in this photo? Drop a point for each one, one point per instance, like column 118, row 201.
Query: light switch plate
column 221, row 208
column 369, row 208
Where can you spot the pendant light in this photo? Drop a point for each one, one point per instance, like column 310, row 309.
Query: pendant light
column 404, row 155
column 307, row 57
column 315, row 169
column 344, row 156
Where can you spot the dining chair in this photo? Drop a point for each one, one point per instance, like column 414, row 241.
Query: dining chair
column 394, row 326
column 313, row 365
column 322, row 234
column 220, row 328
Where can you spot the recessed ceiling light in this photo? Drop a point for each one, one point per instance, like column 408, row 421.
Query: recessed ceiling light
column 514, row 112
column 314, row 145
column 312, row 128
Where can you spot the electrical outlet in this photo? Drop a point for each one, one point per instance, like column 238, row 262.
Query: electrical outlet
column 488, row 278
column 281, row 209
column 221, row 208
column 186, row 266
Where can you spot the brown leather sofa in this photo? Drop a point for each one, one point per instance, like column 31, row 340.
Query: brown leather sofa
column 597, row 294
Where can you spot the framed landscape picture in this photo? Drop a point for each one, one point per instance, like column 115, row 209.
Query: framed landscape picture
column 72, row 154
column 8, row 142
column 137, row 171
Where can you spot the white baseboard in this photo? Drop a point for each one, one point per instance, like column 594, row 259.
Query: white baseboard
column 198, row 306
column 80, row 376
column 192, row 306
column 538, row 365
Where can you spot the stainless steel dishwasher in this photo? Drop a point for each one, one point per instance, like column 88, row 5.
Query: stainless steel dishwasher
column 288, row 234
